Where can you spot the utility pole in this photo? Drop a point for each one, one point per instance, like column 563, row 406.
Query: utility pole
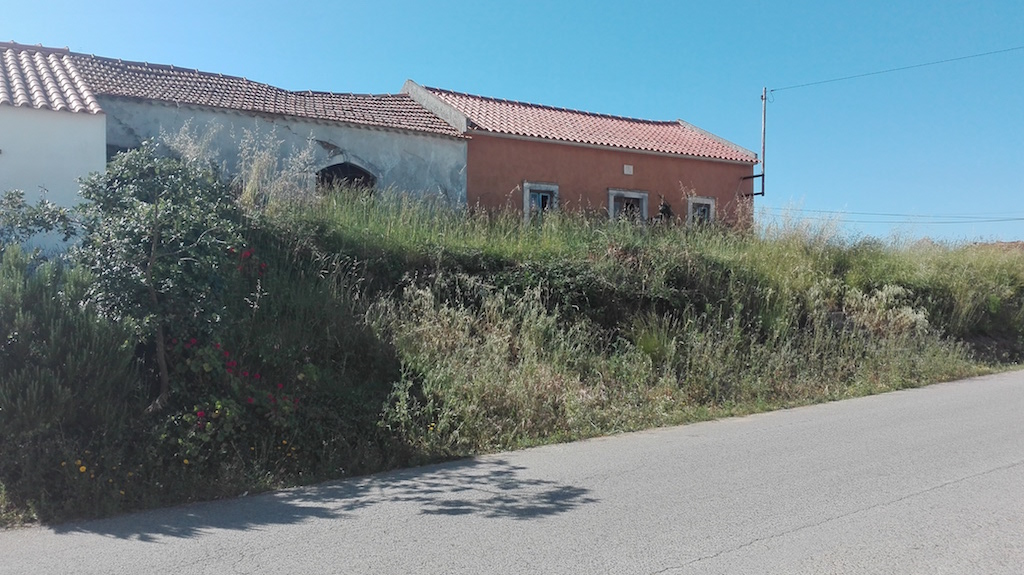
column 764, row 115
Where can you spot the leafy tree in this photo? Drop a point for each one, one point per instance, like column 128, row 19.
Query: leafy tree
column 156, row 233
column 20, row 220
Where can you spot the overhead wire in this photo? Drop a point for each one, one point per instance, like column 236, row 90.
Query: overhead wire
column 914, row 218
column 968, row 218
column 900, row 69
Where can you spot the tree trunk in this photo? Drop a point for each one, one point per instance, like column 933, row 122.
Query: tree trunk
column 161, row 344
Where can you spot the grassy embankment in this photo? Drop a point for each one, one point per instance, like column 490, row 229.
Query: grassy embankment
column 367, row 332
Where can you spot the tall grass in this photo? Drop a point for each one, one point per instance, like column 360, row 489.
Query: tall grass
column 389, row 329
column 512, row 333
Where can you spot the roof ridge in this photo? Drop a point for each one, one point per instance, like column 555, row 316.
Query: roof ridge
column 12, row 45
column 173, row 68
column 552, row 108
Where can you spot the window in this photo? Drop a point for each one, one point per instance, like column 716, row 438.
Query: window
column 700, row 210
column 539, row 198
column 627, row 204
column 344, row 175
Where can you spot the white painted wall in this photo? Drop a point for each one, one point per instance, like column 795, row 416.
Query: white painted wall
column 44, row 149
column 406, row 161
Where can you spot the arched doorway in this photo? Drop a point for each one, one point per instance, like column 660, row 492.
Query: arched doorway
column 345, row 174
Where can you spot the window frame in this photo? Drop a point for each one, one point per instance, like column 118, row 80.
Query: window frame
column 694, row 201
column 530, row 188
column 641, row 195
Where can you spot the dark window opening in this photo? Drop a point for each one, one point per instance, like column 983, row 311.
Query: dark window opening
column 701, row 213
column 628, row 208
column 344, row 175
column 542, row 200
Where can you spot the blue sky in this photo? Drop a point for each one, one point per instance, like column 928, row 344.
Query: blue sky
column 939, row 143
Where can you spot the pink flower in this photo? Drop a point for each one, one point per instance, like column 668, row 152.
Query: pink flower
column 200, row 414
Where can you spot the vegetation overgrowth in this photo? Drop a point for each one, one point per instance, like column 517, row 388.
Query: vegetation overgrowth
column 294, row 337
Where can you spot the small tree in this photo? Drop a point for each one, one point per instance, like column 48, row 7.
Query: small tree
column 20, row 220
column 156, row 229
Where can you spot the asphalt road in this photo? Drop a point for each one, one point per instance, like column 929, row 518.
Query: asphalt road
column 919, row 481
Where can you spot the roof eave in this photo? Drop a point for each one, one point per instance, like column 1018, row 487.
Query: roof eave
column 264, row 114
column 473, row 131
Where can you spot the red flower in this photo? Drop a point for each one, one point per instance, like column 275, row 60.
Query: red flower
column 280, row 386
column 192, row 341
column 226, row 354
column 245, row 373
column 174, row 341
column 250, row 400
column 246, row 254
column 255, row 376
column 232, row 363
column 229, row 370
column 200, row 414
column 216, row 346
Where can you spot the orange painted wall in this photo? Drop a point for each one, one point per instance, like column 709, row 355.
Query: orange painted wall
column 498, row 166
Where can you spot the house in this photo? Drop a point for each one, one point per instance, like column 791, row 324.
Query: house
column 379, row 140
column 52, row 128
column 63, row 113
column 540, row 157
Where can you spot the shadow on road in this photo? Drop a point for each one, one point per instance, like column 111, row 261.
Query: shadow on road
column 488, row 488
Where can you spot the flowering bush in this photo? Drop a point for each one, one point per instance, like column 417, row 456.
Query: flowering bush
column 155, row 229
column 227, row 412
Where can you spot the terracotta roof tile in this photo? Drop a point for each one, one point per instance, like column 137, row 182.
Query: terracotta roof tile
column 536, row 121
column 43, row 78
column 112, row 77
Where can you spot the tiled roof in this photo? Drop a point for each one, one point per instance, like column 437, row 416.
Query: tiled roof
column 536, row 121
column 43, row 78
column 112, row 77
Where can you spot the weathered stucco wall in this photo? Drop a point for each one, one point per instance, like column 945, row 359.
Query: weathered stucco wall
column 44, row 149
column 406, row 161
column 498, row 166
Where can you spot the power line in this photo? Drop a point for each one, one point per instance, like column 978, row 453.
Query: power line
column 911, row 221
column 935, row 63
column 968, row 218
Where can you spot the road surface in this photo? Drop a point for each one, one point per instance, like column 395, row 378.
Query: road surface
column 928, row 480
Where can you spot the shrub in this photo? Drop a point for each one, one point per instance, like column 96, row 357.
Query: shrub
column 156, row 231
